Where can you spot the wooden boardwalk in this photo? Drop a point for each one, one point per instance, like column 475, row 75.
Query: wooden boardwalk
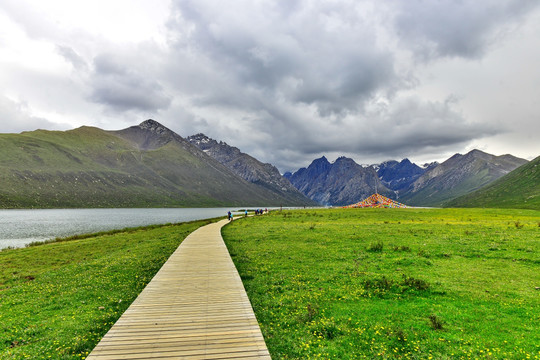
column 194, row 308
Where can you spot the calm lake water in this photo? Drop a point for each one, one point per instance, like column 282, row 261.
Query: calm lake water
column 20, row 227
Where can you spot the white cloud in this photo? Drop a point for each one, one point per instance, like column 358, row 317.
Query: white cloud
column 16, row 117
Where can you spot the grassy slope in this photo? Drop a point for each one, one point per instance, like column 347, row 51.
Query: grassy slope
column 377, row 283
column 82, row 167
column 518, row 189
column 436, row 195
column 58, row 300
column 457, row 176
column 89, row 167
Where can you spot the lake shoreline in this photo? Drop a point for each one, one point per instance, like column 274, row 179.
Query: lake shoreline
column 19, row 227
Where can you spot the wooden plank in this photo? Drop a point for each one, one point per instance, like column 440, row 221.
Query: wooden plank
column 195, row 307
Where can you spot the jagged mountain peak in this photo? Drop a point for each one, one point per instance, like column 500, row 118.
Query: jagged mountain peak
column 341, row 183
column 406, row 161
column 322, row 159
column 321, row 162
column 473, row 154
column 151, row 135
column 204, row 142
column 387, row 163
column 397, row 175
column 154, row 126
column 478, row 154
column 343, row 161
column 219, row 150
column 200, row 137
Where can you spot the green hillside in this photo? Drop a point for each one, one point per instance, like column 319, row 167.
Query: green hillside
column 90, row 167
column 518, row 189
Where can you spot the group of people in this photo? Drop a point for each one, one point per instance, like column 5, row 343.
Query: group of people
column 257, row 212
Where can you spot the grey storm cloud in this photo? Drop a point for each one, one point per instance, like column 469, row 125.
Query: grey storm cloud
column 407, row 126
column 120, row 86
column 311, row 76
column 320, row 55
column 450, row 28
column 288, row 81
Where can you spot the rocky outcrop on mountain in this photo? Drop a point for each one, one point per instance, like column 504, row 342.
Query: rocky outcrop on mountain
column 399, row 175
column 249, row 168
column 459, row 175
column 342, row 183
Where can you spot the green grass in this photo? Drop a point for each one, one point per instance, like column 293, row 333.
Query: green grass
column 57, row 300
column 393, row 283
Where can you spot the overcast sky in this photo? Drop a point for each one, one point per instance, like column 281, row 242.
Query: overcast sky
column 285, row 81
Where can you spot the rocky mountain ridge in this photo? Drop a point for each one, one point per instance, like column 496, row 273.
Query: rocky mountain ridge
column 457, row 176
column 246, row 166
column 398, row 175
column 518, row 189
column 150, row 165
column 432, row 184
column 340, row 183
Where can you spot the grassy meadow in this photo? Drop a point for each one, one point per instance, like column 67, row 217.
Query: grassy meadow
column 393, row 283
column 57, row 300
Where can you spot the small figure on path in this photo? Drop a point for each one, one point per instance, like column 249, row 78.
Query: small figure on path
column 229, row 216
column 246, row 213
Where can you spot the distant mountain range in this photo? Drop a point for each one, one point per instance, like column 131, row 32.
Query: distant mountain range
column 341, row 183
column 459, row 175
column 146, row 165
column 398, row 176
column 517, row 189
column 345, row 182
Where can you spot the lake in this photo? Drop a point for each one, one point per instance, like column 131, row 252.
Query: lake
column 20, row 227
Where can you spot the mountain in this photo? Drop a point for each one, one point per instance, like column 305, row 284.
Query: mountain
column 342, row 183
column 249, row 168
column 517, row 189
column 146, row 165
column 398, row 176
column 459, row 175
column 433, row 184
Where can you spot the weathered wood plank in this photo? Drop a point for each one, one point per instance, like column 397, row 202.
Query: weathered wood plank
column 194, row 308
